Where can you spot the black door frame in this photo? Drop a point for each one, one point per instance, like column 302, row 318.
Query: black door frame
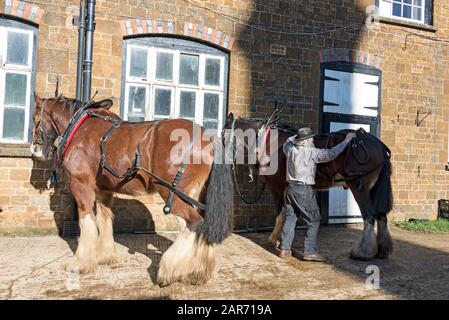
column 325, row 118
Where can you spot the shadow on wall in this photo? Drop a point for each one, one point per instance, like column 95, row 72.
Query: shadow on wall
column 129, row 214
column 262, row 76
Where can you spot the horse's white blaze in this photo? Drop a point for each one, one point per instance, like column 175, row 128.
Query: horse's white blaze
column 106, row 250
column 86, row 252
column 384, row 241
column 366, row 248
column 190, row 259
column 36, row 151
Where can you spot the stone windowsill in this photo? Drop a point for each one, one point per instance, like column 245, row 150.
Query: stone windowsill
column 409, row 24
column 15, row 150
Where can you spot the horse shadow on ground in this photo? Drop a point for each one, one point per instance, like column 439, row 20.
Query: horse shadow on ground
column 131, row 217
column 413, row 271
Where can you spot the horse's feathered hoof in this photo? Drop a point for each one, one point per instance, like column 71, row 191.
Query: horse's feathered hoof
column 363, row 254
column 356, row 256
column 384, row 250
column 189, row 260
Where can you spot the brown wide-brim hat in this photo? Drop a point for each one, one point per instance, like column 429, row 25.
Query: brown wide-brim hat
column 304, row 133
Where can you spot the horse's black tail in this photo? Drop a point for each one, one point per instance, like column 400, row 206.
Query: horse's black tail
column 218, row 221
column 382, row 192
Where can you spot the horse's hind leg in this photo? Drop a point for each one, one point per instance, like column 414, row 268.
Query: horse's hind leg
column 384, row 241
column 106, row 250
column 190, row 259
column 366, row 248
column 276, row 233
column 86, row 252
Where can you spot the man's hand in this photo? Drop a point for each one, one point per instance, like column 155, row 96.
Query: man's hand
column 350, row 136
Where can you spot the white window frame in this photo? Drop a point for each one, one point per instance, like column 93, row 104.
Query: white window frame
column 151, row 83
column 383, row 7
column 17, row 69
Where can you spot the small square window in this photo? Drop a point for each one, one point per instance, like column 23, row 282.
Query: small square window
column 415, row 10
column 17, row 52
column 164, row 66
column 212, row 76
column 211, row 105
column 137, row 100
column 187, row 104
column 162, row 102
column 13, row 123
column 15, row 89
column 138, row 63
column 188, row 69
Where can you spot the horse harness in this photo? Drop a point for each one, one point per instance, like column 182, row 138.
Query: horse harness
column 356, row 144
column 87, row 111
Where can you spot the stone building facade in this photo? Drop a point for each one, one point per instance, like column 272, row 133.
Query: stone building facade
column 271, row 51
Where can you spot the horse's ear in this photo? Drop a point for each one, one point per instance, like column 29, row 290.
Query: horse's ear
column 38, row 100
column 229, row 120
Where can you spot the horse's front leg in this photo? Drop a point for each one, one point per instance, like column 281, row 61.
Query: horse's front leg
column 106, row 249
column 86, row 254
column 384, row 241
column 366, row 247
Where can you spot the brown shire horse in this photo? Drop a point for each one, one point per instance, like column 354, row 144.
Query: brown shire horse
column 191, row 257
column 369, row 182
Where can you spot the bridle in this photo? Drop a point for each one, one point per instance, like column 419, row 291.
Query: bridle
column 255, row 146
column 42, row 133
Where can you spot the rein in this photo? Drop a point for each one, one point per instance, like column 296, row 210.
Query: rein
column 255, row 146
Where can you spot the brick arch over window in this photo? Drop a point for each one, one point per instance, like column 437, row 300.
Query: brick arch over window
column 23, row 10
column 348, row 55
column 196, row 31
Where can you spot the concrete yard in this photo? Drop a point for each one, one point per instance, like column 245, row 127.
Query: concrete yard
column 247, row 268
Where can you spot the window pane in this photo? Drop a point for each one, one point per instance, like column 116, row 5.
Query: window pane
column 17, row 48
column 407, row 1
column 417, row 3
column 397, row 9
column 210, row 124
column 164, row 66
column 211, row 101
column 188, row 69
column 417, row 13
column 138, row 65
column 211, row 127
column 187, row 104
column 162, row 102
column 407, row 12
column 212, row 77
column 136, row 100
column 13, row 123
column 15, row 89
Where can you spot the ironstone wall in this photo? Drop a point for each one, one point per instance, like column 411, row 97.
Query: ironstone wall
column 415, row 76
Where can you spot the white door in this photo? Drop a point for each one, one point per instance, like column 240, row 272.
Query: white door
column 341, row 201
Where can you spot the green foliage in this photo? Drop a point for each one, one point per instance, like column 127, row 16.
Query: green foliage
column 435, row 226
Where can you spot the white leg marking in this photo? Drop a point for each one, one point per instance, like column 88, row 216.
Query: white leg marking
column 190, row 259
column 86, row 251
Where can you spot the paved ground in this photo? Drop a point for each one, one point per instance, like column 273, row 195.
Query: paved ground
column 34, row 268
